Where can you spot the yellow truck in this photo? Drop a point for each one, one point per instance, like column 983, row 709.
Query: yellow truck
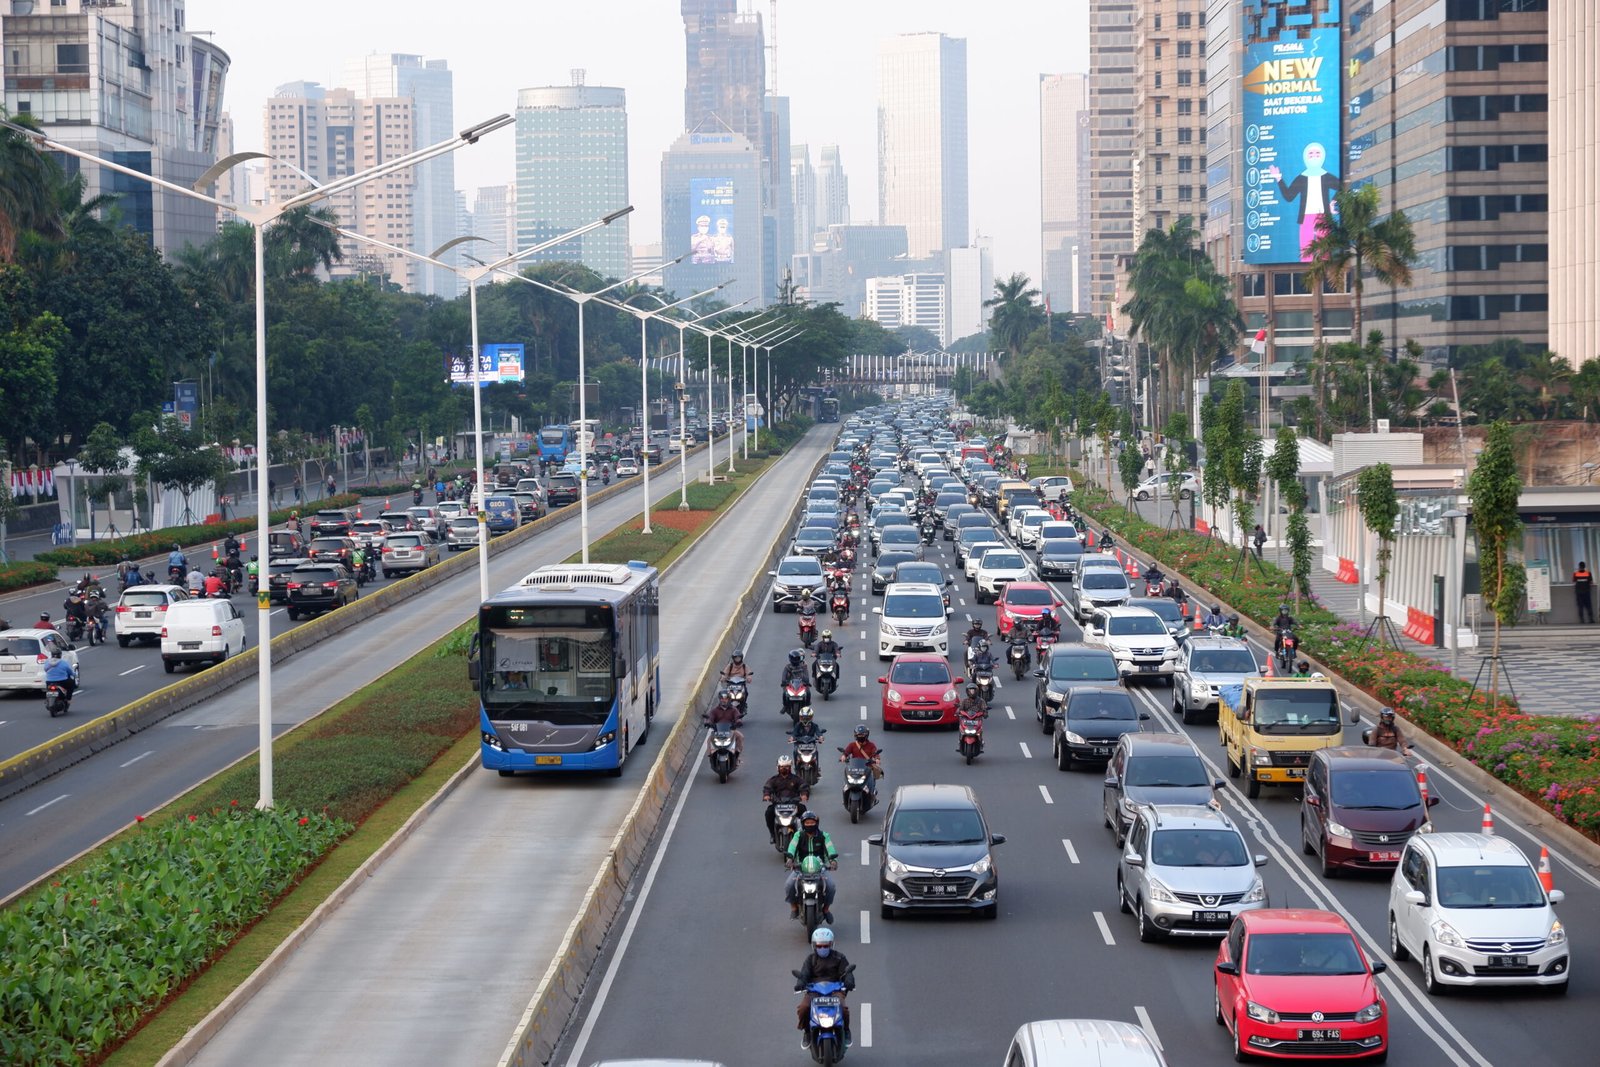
column 1270, row 727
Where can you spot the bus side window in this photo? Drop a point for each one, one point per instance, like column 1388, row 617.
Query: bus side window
column 472, row 660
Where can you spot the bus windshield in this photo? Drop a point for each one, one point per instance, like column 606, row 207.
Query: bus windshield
column 555, row 674
column 553, row 436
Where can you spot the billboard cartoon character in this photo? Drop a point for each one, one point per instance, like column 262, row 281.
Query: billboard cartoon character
column 1314, row 188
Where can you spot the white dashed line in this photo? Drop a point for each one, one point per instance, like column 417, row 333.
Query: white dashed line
column 47, row 803
column 139, row 757
column 1149, row 1027
column 1072, row 853
column 124, row 674
column 866, row 854
column 1105, row 931
column 863, row 714
column 1009, row 713
column 864, row 1027
column 1026, row 752
column 866, row 928
column 863, row 655
column 1044, row 792
column 863, row 681
column 863, row 635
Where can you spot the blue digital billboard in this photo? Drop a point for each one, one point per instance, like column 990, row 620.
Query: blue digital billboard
column 1292, row 149
column 497, row 364
column 711, row 204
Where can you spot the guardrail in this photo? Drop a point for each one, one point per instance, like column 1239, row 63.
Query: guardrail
column 36, row 764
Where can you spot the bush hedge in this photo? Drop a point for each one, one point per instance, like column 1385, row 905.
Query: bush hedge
column 16, row 576
column 1552, row 760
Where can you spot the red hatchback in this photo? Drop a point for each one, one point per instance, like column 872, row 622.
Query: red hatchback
column 1023, row 601
column 1293, row 983
column 919, row 691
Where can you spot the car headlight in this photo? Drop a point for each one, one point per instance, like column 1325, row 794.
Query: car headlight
column 1073, row 738
column 1337, row 829
column 1371, row 1013
column 1121, row 653
column 895, row 867
column 1558, row 934
column 887, row 630
column 982, row 866
column 1198, row 688
column 939, row 630
column 1160, row 893
column 893, row 695
column 949, row 696
column 1260, row 757
column 1051, row 696
column 1445, row 934
column 1260, row 1012
column 1257, row 894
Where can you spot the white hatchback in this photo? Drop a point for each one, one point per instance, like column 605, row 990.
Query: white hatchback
column 142, row 611
column 24, row 654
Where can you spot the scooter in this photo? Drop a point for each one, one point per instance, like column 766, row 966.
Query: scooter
column 970, row 744
column 416, row 497
column 927, row 533
column 859, row 794
column 826, row 1024
column 1017, row 653
column 56, row 699
column 1288, row 645
column 786, row 824
column 724, row 757
column 796, row 695
column 1041, row 644
column 737, row 694
column 983, row 678
column 827, row 672
column 805, row 762
column 808, row 630
column 810, row 891
column 840, row 605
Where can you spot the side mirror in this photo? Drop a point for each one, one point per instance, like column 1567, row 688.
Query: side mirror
column 882, row 681
column 1433, row 798
column 772, row 574
column 1260, row 860
column 1355, row 717
column 1416, row 896
column 1112, row 780
column 1133, row 859
column 1378, row 967
column 1217, row 783
column 1313, row 802
column 1038, row 674
column 1556, row 896
column 997, row 839
column 1144, row 716
column 958, row 681
column 875, row 840
column 1228, row 967
column 472, row 670
column 877, row 611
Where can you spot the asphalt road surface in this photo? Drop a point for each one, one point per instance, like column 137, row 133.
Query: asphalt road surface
column 700, row 965
column 46, row 825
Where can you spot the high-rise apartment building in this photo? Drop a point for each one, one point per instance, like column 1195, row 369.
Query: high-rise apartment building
column 430, row 86
column 331, row 133
column 1064, row 190
column 572, row 168
column 494, row 218
column 803, row 195
column 1574, row 194
column 969, row 281
column 130, row 84
column 1111, row 133
column 844, row 257
column 922, row 140
column 908, row 300
column 711, row 210
column 1448, row 117
column 1169, row 131
column 833, row 189
column 777, row 206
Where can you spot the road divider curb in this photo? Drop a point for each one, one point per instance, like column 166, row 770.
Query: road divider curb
column 40, row 762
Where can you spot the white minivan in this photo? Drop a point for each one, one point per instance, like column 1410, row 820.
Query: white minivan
column 201, row 631
column 1071, row 1042
column 912, row 619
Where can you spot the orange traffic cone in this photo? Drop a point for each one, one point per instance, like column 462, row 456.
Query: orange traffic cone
column 1088, row 539
column 1546, row 879
column 244, row 546
column 1422, row 782
column 1183, row 609
column 1488, row 821
column 214, row 554
column 1267, row 671
column 1199, row 623
column 388, row 504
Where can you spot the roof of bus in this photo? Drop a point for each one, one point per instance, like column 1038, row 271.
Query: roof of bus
column 596, row 583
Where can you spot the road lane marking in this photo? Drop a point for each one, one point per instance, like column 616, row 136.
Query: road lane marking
column 866, row 853
column 139, row 757
column 863, row 635
column 1105, row 931
column 863, row 655
column 864, row 1038
column 1149, row 1027
column 1026, row 753
column 1072, row 853
column 1009, row 713
column 863, row 713
column 124, row 674
column 863, row 681
column 866, row 928
column 273, row 612
column 47, row 803
column 1045, row 792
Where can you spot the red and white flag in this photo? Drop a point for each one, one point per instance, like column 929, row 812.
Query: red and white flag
column 1111, row 326
column 1259, row 345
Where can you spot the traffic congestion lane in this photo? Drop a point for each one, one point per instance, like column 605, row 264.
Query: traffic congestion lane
column 943, row 989
column 435, row 959
column 48, row 824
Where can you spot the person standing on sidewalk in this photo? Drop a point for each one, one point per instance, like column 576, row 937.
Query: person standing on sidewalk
column 1259, row 537
column 1583, row 589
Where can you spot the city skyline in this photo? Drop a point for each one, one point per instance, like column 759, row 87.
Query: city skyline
column 831, row 103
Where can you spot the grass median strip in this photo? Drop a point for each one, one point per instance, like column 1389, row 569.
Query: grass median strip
column 358, row 771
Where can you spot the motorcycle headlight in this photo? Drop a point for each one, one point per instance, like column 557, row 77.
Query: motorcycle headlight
column 949, row 696
column 1260, row 1012
column 894, row 696
column 1257, row 894
column 1371, row 1013
column 1337, row 829
column 1075, row 739
column 1160, row 893
column 1445, row 934
column 982, row 866
column 895, row 867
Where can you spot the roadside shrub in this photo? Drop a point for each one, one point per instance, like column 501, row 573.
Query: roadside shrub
column 15, row 576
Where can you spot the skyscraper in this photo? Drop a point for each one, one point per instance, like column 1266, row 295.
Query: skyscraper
column 1574, row 197
column 969, row 281
column 803, row 193
column 1111, row 102
column 1169, row 142
column 130, row 84
column 430, row 86
column 833, row 189
column 572, row 168
column 1064, row 230
column 711, row 209
column 922, row 140
column 726, row 68
column 494, row 218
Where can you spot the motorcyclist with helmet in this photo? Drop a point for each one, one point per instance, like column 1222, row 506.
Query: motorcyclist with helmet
column 982, row 657
column 1235, row 628
column 972, row 705
column 196, row 582
column 44, row 622
column 75, row 610
column 1153, row 577
column 795, row 669
column 737, row 668
column 725, row 712
column 785, row 787
column 826, row 645
column 805, row 727
column 252, row 571
column 1387, row 733
column 823, row 964
column 177, row 563
column 1214, row 619
column 1284, row 622
column 59, row 672
column 811, row 841
column 975, row 630
column 863, row 747
column 1048, row 627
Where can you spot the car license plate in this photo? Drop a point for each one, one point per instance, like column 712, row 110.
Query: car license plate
column 141, row 614
column 547, row 761
column 1102, row 750
column 947, row 890
column 1508, row 961
column 188, row 646
column 1384, row 857
column 1297, row 772
column 1212, row 917
column 13, row 666
column 1148, row 667
column 1319, row 1035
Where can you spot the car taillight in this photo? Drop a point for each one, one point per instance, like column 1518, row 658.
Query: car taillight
column 42, row 658
column 216, row 631
column 293, row 585
column 161, row 607
column 330, row 585
column 120, row 609
column 387, row 550
column 163, row 633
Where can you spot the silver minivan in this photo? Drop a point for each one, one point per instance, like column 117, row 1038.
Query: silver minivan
column 1075, row 1042
column 1186, row 871
column 461, row 533
column 409, row 551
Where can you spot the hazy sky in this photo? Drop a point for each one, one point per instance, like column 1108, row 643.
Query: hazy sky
column 827, row 53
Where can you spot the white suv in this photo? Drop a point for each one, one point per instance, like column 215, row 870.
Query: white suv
column 1471, row 908
column 912, row 619
column 1137, row 638
column 998, row 568
column 142, row 611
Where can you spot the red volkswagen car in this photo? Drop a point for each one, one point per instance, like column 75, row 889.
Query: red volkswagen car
column 1293, row 983
column 919, row 690
column 1023, row 601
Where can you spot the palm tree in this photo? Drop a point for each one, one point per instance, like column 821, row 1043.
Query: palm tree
column 28, row 183
column 1353, row 240
column 1548, row 372
column 302, row 240
column 1016, row 313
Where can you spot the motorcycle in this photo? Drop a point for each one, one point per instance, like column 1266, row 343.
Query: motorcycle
column 808, row 630
column 805, row 762
column 738, row 694
column 827, row 672
column 826, row 1023
column 786, row 824
column 859, row 795
column 810, row 891
column 983, row 678
column 724, row 758
column 841, row 607
column 1042, row 640
column 176, row 573
column 416, row 497
column 1017, row 653
column 927, row 533
column 796, row 695
column 75, row 628
column 56, row 699
column 1155, row 588
column 970, row 744
column 1288, row 645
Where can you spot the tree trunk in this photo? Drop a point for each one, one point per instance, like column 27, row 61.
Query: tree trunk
column 1494, row 656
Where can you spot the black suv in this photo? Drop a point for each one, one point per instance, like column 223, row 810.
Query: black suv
column 317, row 587
column 563, row 490
column 936, row 852
column 332, row 522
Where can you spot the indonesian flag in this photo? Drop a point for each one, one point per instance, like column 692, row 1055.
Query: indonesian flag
column 1111, row 326
column 1047, row 305
column 1259, row 345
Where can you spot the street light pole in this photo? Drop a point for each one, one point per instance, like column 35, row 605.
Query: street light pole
column 683, row 429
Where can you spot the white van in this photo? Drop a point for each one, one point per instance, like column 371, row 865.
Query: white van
column 1070, row 1042
column 201, row 631
column 912, row 619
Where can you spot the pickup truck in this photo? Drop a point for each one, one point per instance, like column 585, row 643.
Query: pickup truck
column 1270, row 726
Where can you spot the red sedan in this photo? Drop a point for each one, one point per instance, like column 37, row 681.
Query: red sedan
column 919, row 691
column 1292, row 983
column 1023, row 601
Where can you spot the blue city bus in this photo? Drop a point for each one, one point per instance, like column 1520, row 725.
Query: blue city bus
column 554, row 444
column 568, row 667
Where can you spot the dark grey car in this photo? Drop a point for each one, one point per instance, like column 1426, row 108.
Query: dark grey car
column 936, row 853
column 1153, row 769
column 1071, row 665
column 1091, row 723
